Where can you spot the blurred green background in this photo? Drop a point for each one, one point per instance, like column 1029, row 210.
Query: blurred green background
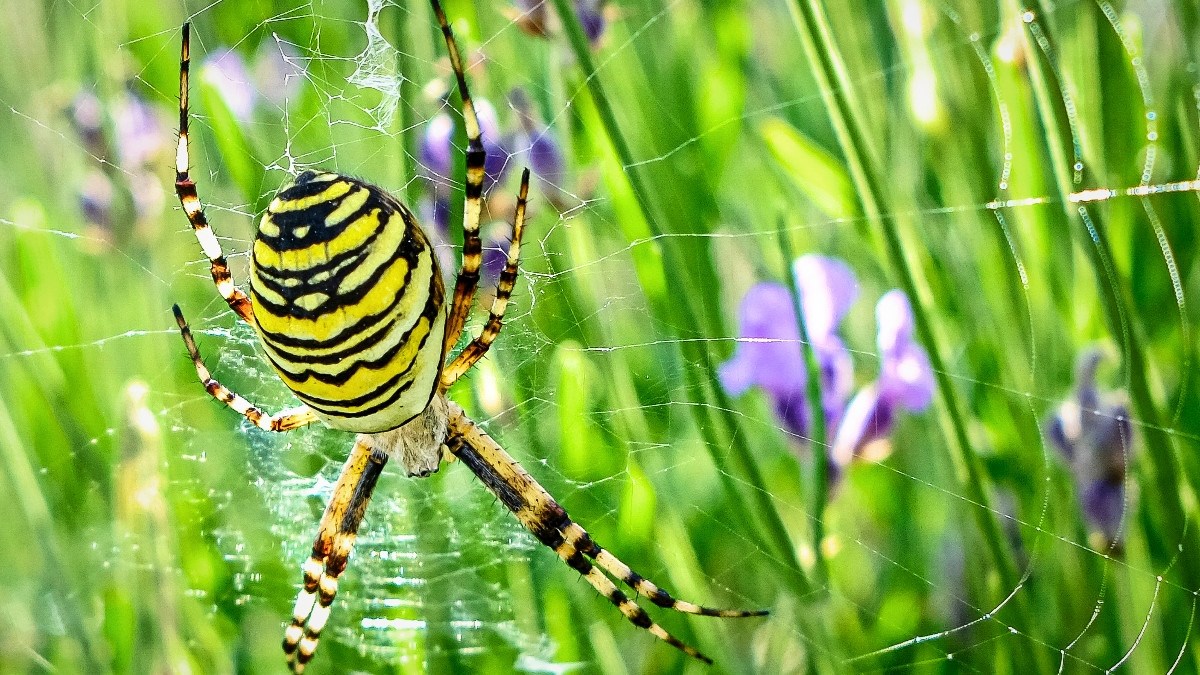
column 938, row 147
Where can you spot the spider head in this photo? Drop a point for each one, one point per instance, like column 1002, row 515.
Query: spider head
column 307, row 177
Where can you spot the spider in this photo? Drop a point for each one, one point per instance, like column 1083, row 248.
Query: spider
column 348, row 302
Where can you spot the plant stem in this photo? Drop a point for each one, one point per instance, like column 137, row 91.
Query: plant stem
column 816, row 443
column 405, row 168
column 834, row 82
column 1168, row 471
column 682, row 308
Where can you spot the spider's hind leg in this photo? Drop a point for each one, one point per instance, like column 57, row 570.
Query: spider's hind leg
column 632, row 611
column 331, row 551
column 549, row 522
column 618, row 569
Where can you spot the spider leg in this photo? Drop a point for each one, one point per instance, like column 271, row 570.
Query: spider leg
column 468, row 276
column 331, row 551
column 504, row 288
column 287, row 420
column 549, row 522
column 185, row 188
column 632, row 611
column 614, row 566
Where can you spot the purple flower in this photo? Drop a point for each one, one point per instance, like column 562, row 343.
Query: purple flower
column 827, row 290
column 1094, row 437
column 591, row 17
column 769, row 356
column 87, row 113
column 545, row 158
column 537, row 145
column 96, row 199
column 906, row 377
column 905, row 382
column 769, row 353
column 435, row 146
column 496, row 237
column 279, row 71
column 533, row 17
column 140, row 136
column 439, row 134
column 226, row 71
column 530, row 16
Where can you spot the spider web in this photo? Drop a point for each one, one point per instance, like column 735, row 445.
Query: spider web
column 592, row 387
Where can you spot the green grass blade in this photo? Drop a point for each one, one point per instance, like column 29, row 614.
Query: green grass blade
column 859, row 148
column 682, row 308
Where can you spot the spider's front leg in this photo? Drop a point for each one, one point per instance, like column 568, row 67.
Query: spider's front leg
column 331, row 550
column 472, row 254
column 189, row 198
column 504, row 288
column 293, row 418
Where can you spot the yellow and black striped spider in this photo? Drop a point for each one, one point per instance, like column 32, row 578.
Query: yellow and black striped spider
column 347, row 300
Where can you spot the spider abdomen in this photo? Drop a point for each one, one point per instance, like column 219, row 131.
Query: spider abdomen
column 347, row 300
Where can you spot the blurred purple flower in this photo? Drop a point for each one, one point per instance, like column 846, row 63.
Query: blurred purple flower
column 905, row 382
column 439, row 134
column 1094, row 437
column 279, row 71
column 495, row 248
column 140, row 136
column 530, row 16
column 533, row 17
column 139, row 140
column 545, row 158
column 591, row 17
column 906, row 377
column 435, row 146
column 536, row 142
column 87, row 114
column 96, row 199
column 827, row 290
column 769, row 354
column 226, row 71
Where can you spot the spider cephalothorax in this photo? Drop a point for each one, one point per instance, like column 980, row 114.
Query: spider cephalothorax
column 348, row 303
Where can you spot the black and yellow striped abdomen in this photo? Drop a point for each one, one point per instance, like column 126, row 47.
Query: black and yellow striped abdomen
column 347, row 299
